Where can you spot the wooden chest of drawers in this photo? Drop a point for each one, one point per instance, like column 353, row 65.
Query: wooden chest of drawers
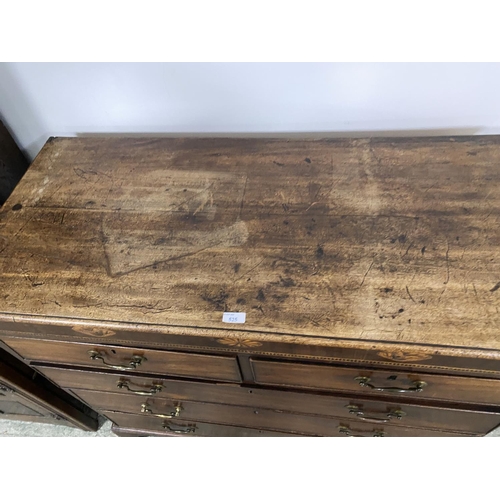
column 222, row 287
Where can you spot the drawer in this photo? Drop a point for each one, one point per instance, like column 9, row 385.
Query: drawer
column 393, row 383
column 154, row 426
column 128, row 359
column 357, row 408
column 252, row 417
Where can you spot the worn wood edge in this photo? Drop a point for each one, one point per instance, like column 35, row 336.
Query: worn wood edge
column 199, row 349
column 257, row 336
column 325, row 136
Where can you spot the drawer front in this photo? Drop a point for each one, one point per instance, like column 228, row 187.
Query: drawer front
column 156, row 426
column 361, row 409
column 375, row 382
column 251, row 417
column 128, row 359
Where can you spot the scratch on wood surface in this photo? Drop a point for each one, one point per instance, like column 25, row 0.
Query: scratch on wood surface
column 83, row 173
column 408, row 249
column 203, row 204
column 170, row 259
column 249, row 271
column 441, row 294
column 33, row 281
column 475, row 291
column 366, row 274
column 447, row 263
column 409, row 294
column 312, row 204
column 490, row 212
column 496, row 287
column 125, row 255
column 146, row 308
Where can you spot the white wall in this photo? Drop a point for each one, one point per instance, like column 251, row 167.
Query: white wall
column 39, row 100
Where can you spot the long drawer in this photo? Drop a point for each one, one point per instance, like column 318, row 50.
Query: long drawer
column 143, row 425
column 363, row 381
column 128, row 359
column 252, row 417
column 357, row 408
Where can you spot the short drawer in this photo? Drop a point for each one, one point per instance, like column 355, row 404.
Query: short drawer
column 142, row 425
column 357, row 408
column 396, row 384
column 252, row 417
column 128, row 359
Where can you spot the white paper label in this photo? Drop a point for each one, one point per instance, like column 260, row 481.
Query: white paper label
column 234, row 317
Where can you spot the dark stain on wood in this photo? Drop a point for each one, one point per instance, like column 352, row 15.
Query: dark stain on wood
column 217, row 300
column 365, row 216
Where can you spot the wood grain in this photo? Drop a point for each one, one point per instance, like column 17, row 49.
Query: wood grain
column 254, row 418
column 458, row 420
column 153, row 361
column 136, row 425
column 391, row 240
column 335, row 378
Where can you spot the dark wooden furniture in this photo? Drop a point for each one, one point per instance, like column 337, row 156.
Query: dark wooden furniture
column 26, row 395
column 368, row 270
column 13, row 164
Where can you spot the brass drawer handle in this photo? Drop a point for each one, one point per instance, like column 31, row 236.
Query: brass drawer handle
column 132, row 365
column 358, row 412
column 188, row 428
column 416, row 386
column 146, row 408
column 348, row 432
column 155, row 388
